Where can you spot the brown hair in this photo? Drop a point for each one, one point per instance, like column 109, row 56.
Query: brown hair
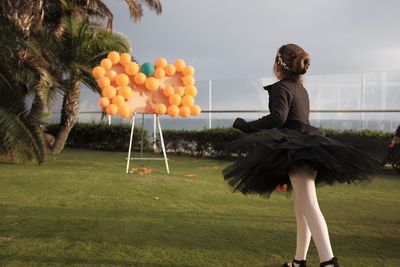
column 293, row 61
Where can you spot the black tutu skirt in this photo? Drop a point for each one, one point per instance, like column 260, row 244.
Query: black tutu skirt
column 271, row 154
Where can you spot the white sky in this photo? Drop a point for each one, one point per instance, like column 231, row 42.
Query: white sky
column 238, row 39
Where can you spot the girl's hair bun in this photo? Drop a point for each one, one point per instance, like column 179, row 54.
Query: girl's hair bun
column 293, row 60
column 301, row 63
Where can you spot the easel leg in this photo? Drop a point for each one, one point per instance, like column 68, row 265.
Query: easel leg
column 130, row 143
column 154, row 133
column 162, row 144
column 141, row 142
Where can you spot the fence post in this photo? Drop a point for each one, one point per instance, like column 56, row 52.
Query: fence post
column 362, row 104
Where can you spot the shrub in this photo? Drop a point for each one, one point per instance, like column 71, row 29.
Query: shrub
column 102, row 136
column 207, row 142
column 212, row 142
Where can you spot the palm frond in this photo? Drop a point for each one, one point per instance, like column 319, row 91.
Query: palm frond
column 20, row 135
column 154, row 5
column 87, row 79
column 17, row 127
column 136, row 9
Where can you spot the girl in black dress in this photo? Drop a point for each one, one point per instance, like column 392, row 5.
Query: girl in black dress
column 284, row 149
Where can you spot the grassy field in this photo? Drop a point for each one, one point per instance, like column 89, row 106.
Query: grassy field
column 81, row 209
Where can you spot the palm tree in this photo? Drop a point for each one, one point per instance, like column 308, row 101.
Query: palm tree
column 51, row 69
column 80, row 49
column 135, row 9
column 30, row 16
column 19, row 134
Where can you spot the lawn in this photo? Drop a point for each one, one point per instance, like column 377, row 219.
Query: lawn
column 81, row 209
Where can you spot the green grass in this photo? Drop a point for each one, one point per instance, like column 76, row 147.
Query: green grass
column 81, row 209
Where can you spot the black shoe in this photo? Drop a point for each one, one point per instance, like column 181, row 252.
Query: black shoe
column 332, row 261
column 302, row 263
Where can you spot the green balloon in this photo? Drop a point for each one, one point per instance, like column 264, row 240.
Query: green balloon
column 147, row 68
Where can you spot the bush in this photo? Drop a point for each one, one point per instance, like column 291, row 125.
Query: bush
column 102, row 136
column 212, row 142
column 375, row 143
column 207, row 142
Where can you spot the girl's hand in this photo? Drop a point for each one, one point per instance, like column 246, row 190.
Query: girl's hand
column 241, row 125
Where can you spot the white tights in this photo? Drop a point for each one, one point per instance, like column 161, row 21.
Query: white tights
column 309, row 218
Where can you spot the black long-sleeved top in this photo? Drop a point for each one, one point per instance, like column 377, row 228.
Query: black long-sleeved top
column 289, row 108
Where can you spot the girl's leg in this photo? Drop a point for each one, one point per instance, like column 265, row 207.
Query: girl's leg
column 303, row 183
column 303, row 233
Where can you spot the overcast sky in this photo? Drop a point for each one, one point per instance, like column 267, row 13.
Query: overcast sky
column 233, row 39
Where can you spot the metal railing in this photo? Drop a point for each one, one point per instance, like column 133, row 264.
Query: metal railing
column 372, row 94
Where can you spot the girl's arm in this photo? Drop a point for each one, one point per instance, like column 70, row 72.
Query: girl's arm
column 279, row 103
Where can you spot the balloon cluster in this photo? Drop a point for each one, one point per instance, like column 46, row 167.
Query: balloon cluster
column 166, row 88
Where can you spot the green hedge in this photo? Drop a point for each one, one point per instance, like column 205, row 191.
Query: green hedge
column 211, row 142
column 208, row 142
column 363, row 133
column 102, row 136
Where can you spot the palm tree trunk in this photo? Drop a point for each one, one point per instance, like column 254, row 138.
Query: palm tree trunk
column 39, row 106
column 69, row 116
column 27, row 15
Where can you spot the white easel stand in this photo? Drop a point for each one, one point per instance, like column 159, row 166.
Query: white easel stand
column 141, row 149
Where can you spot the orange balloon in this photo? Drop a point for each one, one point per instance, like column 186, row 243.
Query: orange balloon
column 104, row 102
column 161, row 109
column 191, row 90
column 98, row 72
column 111, row 74
column 125, row 58
column 170, row 70
column 109, row 92
column 106, row 63
column 112, row 109
column 103, row 82
column 188, row 71
column 188, row 80
column 122, row 79
column 125, row 92
column 159, row 73
column 187, row 100
column 124, row 111
column 179, row 90
column 179, row 64
column 168, row 91
column 140, row 78
column 173, row 111
column 175, row 99
column 195, row 110
column 114, row 84
column 118, row 100
column 114, row 57
column 161, row 62
column 184, row 112
column 131, row 68
column 151, row 84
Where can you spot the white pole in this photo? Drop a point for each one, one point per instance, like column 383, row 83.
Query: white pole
column 141, row 143
column 362, row 104
column 130, row 143
column 209, row 103
column 109, row 119
column 383, row 92
column 162, row 144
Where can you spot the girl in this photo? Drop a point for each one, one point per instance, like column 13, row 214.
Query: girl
column 283, row 149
